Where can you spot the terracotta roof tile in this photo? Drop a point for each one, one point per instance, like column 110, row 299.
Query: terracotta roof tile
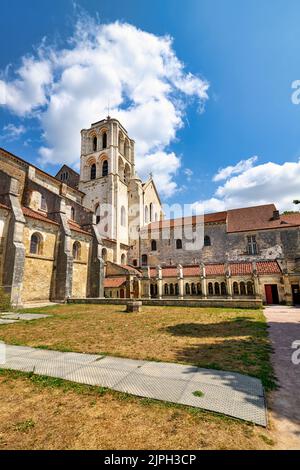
column 114, row 281
column 258, row 218
column 37, row 215
column 179, row 222
column 215, row 269
column 268, row 267
column 169, row 271
column 240, row 268
column 191, row 271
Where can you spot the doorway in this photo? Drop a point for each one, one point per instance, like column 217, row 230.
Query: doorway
column 296, row 294
column 271, row 294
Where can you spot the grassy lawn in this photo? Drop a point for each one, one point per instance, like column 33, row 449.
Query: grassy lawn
column 44, row 413
column 228, row 339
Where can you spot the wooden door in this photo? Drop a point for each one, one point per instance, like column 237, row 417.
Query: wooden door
column 269, row 295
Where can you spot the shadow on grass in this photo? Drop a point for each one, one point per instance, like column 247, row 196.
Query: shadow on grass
column 241, row 345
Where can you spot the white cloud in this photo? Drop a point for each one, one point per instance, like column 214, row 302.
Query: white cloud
column 188, row 173
column 240, row 167
column 12, row 132
column 162, row 166
column 137, row 72
column 260, row 184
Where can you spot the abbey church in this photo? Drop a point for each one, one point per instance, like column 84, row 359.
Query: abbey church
column 101, row 234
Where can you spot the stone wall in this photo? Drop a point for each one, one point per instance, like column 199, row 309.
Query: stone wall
column 38, row 279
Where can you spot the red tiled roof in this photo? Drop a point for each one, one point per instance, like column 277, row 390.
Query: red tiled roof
column 191, row 271
column 258, row 218
column 179, row 222
column 37, row 215
column 169, row 272
column 131, row 269
column 240, row 268
column 215, row 269
column 76, row 227
column 268, row 267
column 114, row 281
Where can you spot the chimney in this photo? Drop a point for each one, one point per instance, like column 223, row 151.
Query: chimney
column 276, row 215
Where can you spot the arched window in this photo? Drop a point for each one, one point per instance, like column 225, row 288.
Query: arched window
column 250, row 289
column 76, row 250
column 135, row 263
column 193, row 289
column 146, row 214
column 36, row 244
column 126, row 149
column 153, row 245
column 97, row 213
column 123, row 259
column 104, row 140
column 94, row 144
column 144, row 260
column 43, row 203
column 235, row 288
column 223, row 288
column 179, row 244
column 199, row 288
column 187, row 289
column 105, row 168
column 72, row 213
column 151, row 211
column 242, row 288
column 176, row 289
column 166, row 289
column 171, row 289
column 123, row 216
column 104, row 254
column 207, row 241
column 93, row 171
column 210, row 288
column 217, row 288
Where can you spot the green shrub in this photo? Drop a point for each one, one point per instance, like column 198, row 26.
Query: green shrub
column 4, row 300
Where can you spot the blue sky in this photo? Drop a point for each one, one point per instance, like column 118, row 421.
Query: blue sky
column 248, row 54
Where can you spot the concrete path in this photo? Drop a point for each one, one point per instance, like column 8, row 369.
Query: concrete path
column 10, row 317
column 229, row 393
column 284, row 323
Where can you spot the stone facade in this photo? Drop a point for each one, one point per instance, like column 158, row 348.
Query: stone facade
column 102, row 233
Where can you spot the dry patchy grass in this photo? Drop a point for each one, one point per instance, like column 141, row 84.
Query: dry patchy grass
column 44, row 413
column 228, row 339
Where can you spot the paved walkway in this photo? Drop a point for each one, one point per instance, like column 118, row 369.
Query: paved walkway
column 229, row 393
column 284, row 323
column 9, row 317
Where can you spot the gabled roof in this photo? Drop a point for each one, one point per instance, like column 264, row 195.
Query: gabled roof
column 147, row 183
column 68, row 168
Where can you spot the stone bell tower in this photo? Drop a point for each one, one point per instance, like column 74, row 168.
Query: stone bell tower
column 106, row 167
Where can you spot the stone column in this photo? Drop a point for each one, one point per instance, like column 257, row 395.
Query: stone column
column 203, row 281
column 147, row 281
column 228, row 281
column 257, row 291
column 180, row 282
column 159, row 282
